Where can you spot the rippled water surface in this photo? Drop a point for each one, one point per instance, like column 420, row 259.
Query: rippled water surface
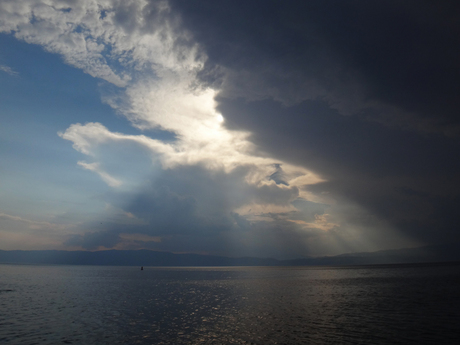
column 123, row 305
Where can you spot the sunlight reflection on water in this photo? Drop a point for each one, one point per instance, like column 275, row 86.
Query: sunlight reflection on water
column 123, row 305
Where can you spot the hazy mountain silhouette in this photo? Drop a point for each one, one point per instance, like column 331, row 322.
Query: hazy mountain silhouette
column 440, row 253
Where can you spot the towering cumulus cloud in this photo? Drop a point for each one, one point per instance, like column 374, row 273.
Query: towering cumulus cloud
column 254, row 133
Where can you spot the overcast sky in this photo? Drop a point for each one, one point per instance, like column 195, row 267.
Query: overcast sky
column 241, row 128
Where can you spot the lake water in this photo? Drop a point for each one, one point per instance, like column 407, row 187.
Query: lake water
column 411, row 304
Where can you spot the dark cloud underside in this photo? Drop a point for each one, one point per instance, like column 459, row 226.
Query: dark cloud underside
column 363, row 93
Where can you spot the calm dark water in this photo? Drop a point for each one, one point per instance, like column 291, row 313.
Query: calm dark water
column 123, row 305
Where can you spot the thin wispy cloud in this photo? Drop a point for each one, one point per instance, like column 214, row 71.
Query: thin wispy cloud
column 8, row 70
column 110, row 180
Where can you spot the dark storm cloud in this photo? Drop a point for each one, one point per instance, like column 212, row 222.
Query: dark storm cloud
column 365, row 93
column 319, row 135
column 352, row 53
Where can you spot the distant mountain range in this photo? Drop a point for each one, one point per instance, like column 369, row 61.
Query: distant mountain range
column 440, row 253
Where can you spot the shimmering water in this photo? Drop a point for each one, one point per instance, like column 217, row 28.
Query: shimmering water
column 123, row 305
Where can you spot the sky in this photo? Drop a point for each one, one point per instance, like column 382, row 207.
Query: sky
column 237, row 128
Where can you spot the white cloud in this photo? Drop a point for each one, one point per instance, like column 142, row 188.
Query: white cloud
column 110, row 180
column 30, row 224
column 8, row 70
column 140, row 47
column 115, row 40
column 106, row 39
column 87, row 137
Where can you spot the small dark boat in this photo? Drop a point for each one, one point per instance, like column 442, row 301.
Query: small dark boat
column 142, row 268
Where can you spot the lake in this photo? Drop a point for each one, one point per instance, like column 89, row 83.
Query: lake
column 396, row 304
